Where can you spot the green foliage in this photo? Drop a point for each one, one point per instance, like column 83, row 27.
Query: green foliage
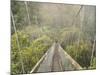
column 93, row 63
column 81, row 53
column 23, row 41
column 40, row 45
column 31, row 51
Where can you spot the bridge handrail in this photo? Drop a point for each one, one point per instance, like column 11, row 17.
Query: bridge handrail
column 74, row 63
column 39, row 62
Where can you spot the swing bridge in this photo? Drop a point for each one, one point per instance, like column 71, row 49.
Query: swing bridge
column 55, row 59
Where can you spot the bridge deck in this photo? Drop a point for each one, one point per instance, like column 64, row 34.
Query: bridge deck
column 56, row 60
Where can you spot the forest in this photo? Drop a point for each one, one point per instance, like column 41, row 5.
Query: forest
column 36, row 26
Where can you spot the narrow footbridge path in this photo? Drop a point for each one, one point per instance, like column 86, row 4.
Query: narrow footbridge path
column 55, row 60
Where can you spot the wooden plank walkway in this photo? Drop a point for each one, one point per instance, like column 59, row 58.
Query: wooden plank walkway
column 55, row 60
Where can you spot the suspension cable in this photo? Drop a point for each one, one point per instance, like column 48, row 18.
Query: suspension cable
column 77, row 14
column 75, row 19
column 93, row 50
column 21, row 60
column 81, row 24
column 27, row 12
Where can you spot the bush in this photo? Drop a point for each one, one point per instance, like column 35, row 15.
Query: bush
column 31, row 51
column 93, row 63
column 81, row 53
